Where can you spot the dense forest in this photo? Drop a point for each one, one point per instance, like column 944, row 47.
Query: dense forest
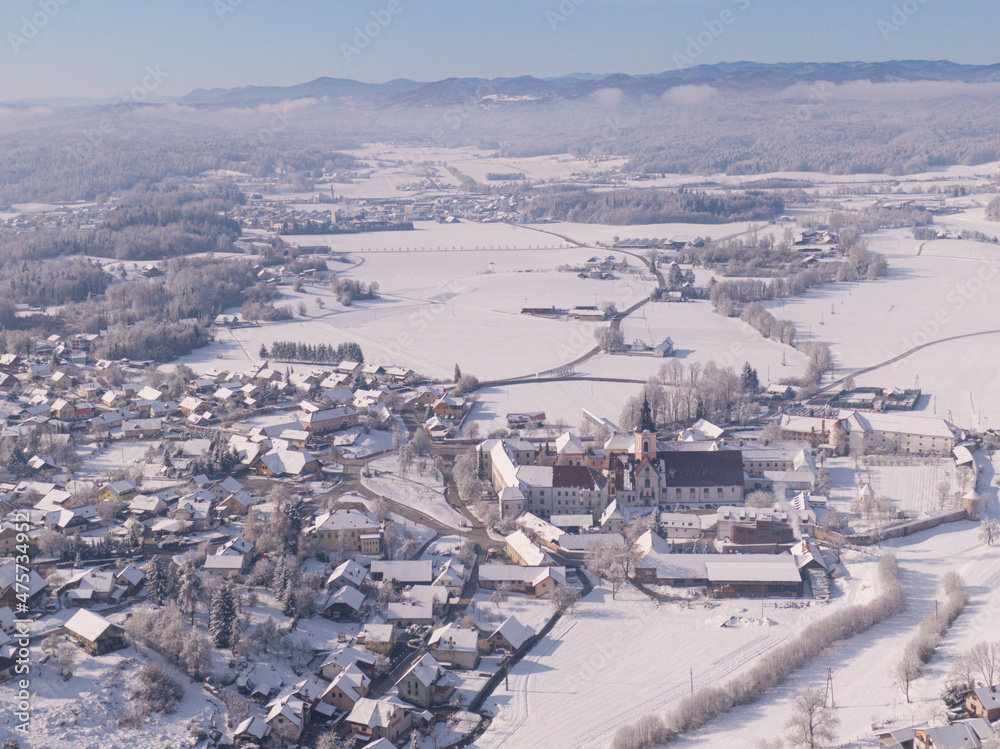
column 653, row 206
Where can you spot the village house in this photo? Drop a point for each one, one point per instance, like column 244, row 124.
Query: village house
column 511, row 635
column 538, row 582
column 378, row 638
column 346, row 689
column 984, row 702
column 455, row 647
column 347, row 531
column 120, row 491
column 330, row 420
column 405, row 572
column 344, row 604
column 288, row 717
column 378, row 719
column 425, row 683
column 95, row 633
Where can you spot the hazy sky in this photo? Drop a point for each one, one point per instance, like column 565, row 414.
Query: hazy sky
column 101, row 48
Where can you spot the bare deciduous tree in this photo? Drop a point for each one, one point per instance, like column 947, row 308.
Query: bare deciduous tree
column 812, row 721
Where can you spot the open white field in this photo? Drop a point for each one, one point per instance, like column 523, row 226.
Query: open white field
column 590, row 233
column 562, row 402
column 613, row 661
column 958, row 378
column 437, row 309
column 701, row 335
column 925, row 298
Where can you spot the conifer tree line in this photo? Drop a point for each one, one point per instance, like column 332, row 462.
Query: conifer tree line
column 318, row 353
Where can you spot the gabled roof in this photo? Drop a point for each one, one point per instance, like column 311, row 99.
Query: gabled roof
column 88, row 625
column 513, row 632
column 346, row 595
column 425, row 670
column 349, row 571
column 373, row 713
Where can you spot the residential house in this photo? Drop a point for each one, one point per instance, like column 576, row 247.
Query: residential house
column 511, row 635
column 120, row 491
column 425, row 683
column 288, row 717
column 455, row 647
column 11, row 594
column 347, row 687
column 378, row 719
column 347, row 531
column 415, row 572
column 538, row 582
column 346, row 573
column 344, row 604
column 330, row 420
column 379, row 638
column 95, row 633
column 984, row 702
column 253, row 730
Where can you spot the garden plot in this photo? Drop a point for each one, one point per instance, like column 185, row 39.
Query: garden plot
column 420, row 489
column 97, row 463
column 915, row 487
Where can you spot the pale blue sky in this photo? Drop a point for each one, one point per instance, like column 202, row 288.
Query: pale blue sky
column 91, row 48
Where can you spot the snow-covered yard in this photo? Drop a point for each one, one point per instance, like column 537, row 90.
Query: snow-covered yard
column 420, row 489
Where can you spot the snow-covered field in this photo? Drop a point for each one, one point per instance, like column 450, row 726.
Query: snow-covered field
column 612, row 661
column 926, row 298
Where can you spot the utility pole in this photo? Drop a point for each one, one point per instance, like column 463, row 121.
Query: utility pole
column 829, row 687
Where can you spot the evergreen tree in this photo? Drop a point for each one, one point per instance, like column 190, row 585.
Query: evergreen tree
column 751, row 384
column 263, row 351
column 222, row 617
column 157, row 583
column 458, row 373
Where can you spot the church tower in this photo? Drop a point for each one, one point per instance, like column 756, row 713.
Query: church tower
column 645, row 435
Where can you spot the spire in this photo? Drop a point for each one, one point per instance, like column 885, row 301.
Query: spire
column 646, row 419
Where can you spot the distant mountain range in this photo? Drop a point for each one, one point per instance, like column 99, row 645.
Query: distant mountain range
column 746, row 77
column 736, row 76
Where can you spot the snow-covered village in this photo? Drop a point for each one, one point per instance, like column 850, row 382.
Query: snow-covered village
column 589, row 411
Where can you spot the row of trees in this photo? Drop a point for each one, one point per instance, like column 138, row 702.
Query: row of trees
column 922, row 646
column 320, row 353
